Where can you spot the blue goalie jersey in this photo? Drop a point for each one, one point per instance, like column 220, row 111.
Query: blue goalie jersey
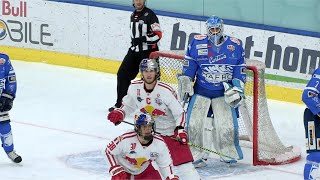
column 310, row 95
column 8, row 82
column 212, row 65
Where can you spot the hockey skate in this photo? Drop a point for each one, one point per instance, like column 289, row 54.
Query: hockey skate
column 200, row 163
column 14, row 157
column 229, row 162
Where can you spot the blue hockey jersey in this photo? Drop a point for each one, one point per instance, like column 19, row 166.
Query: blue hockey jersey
column 8, row 82
column 212, row 65
column 310, row 95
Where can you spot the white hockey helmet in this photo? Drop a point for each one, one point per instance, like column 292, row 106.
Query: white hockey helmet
column 149, row 64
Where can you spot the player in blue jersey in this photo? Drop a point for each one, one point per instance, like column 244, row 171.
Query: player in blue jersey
column 311, row 119
column 8, row 87
column 215, row 63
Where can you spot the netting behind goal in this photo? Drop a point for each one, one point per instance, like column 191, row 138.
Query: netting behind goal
column 255, row 125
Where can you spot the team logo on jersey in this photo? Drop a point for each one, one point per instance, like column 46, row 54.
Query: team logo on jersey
column 146, row 14
column 185, row 63
column 153, row 111
column 154, row 154
column 12, row 79
column 139, row 99
column 2, row 61
column 235, row 40
column 202, row 52
column 217, row 58
column 311, row 94
column 158, row 101
column 201, row 46
column 199, row 37
column 231, row 48
column 132, row 161
column 316, row 76
column 217, row 73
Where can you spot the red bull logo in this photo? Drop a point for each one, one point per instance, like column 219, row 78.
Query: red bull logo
column 132, row 161
column 153, row 111
column 10, row 9
column 136, row 162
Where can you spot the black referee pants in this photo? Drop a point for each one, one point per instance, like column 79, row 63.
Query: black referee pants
column 128, row 70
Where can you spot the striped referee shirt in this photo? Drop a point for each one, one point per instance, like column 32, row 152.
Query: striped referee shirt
column 145, row 23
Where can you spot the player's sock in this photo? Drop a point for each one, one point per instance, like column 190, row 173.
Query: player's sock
column 311, row 168
column 6, row 136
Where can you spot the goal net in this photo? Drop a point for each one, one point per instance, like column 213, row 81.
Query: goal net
column 255, row 126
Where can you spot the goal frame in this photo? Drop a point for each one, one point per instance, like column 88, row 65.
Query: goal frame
column 255, row 130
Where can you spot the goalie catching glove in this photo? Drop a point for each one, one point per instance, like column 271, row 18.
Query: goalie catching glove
column 233, row 94
column 116, row 116
column 185, row 87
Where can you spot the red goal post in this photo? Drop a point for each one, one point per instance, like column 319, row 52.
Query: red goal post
column 255, row 126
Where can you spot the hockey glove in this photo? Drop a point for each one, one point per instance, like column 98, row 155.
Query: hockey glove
column 185, row 87
column 232, row 95
column 116, row 116
column 138, row 41
column 6, row 102
column 172, row 177
column 181, row 134
column 117, row 172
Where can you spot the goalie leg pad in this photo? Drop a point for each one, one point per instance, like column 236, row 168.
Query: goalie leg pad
column 196, row 115
column 226, row 133
column 6, row 136
column 312, row 131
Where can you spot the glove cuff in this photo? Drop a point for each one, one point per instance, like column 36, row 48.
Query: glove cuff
column 114, row 170
column 121, row 111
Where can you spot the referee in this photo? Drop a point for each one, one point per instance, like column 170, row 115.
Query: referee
column 145, row 34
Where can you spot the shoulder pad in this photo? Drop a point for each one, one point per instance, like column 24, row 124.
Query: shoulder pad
column 235, row 40
column 200, row 37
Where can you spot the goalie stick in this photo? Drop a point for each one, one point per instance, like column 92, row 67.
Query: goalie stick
column 231, row 161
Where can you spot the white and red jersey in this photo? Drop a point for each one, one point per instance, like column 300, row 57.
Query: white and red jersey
column 127, row 151
column 162, row 103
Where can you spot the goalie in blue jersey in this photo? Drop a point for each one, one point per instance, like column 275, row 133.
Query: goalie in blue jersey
column 214, row 77
column 311, row 119
column 8, row 87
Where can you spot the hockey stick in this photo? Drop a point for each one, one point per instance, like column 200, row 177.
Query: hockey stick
column 191, row 144
column 185, row 99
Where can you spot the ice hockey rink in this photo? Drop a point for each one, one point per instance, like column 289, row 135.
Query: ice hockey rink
column 60, row 128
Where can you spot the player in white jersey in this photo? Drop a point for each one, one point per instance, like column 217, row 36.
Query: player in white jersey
column 159, row 100
column 130, row 155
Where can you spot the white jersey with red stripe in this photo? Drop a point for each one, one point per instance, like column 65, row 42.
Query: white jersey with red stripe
column 127, row 151
column 162, row 103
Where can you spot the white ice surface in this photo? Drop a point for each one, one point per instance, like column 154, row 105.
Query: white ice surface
column 59, row 127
